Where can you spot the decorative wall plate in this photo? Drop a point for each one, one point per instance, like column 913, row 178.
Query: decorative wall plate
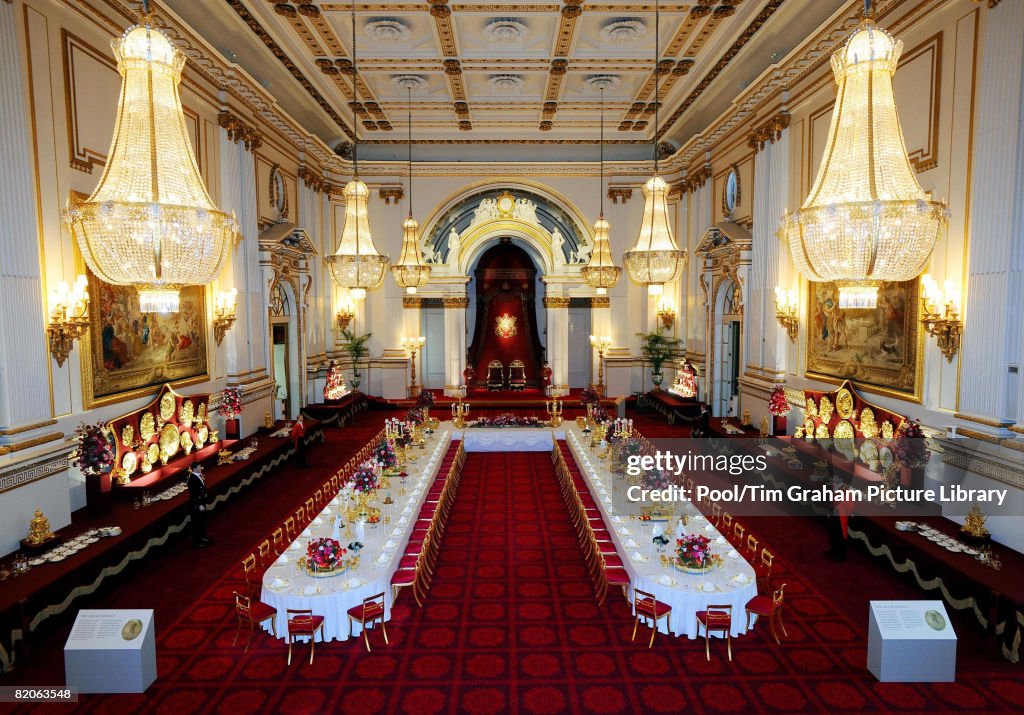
column 825, row 409
column 887, row 430
column 809, row 426
column 129, row 463
column 843, row 435
column 868, row 426
column 843, row 430
column 167, row 406
column 822, row 431
column 146, row 466
column 885, row 456
column 844, row 403
column 154, row 453
column 147, row 426
column 127, row 435
column 869, row 453
column 201, row 412
column 812, row 409
column 168, row 442
column 186, row 414
column 186, row 442
column 202, row 434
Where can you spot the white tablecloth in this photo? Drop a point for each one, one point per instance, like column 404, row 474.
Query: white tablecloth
column 684, row 592
column 384, row 546
column 508, row 439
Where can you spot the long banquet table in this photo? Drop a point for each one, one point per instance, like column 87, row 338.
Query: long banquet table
column 734, row 583
column 286, row 586
column 508, row 439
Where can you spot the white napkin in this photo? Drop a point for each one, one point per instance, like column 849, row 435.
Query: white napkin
column 282, row 559
column 309, row 590
column 734, row 554
column 404, row 520
column 617, row 519
column 636, row 556
column 318, row 521
column 277, row 583
column 708, row 587
column 720, row 540
column 295, row 546
column 396, row 531
column 632, row 544
column 742, row 578
column 709, row 528
column 666, row 580
column 391, row 544
column 699, row 517
column 307, row 532
column 382, row 559
column 354, row 583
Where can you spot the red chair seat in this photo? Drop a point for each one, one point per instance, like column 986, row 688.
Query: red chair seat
column 616, row 576
column 403, row 577
column 260, row 611
column 607, row 547
column 375, row 610
column 304, row 625
column 651, row 607
column 714, row 619
column 408, row 562
column 612, row 561
column 761, row 605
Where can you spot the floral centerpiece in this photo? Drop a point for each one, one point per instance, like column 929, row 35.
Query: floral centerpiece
column 589, row 396
column 425, row 400
column 508, row 420
column 415, row 416
column 364, row 480
column 384, row 453
column 231, row 402
column 654, row 479
column 778, row 405
column 693, row 554
column 910, row 446
column 95, row 452
column 324, row 557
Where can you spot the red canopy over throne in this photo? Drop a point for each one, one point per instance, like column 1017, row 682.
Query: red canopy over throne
column 506, row 326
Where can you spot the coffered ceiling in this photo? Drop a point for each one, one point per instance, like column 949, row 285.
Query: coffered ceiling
column 525, row 73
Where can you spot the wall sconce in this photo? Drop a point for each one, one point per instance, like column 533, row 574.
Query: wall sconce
column 345, row 316
column 666, row 314
column 69, row 317
column 224, row 310
column 786, row 312
column 945, row 326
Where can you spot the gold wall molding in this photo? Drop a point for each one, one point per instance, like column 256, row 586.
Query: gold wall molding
column 556, row 301
column 926, row 156
column 412, row 301
column 600, row 301
column 769, row 132
column 34, row 442
column 391, row 194
column 987, row 421
column 26, row 428
column 695, row 180
column 314, row 181
column 619, row 194
column 240, row 131
column 73, row 50
column 455, row 301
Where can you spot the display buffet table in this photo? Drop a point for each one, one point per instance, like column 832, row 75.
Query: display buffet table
column 733, row 583
column 286, row 586
column 508, row 439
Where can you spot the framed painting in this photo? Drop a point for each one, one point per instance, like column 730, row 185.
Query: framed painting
column 129, row 353
column 877, row 348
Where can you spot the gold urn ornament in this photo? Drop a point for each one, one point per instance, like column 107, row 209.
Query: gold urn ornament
column 268, row 420
column 39, row 529
column 974, row 523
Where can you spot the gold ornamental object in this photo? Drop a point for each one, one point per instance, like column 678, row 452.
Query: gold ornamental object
column 202, row 434
column 127, row 435
column 268, row 420
column 169, row 442
column 825, row 409
column 811, row 409
column 129, row 463
column 822, row 432
column 868, row 426
column 974, row 523
column 887, row 430
column 147, row 426
column 844, row 403
column 39, row 529
column 186, row 442
column 186, row 414
column 153, row 453
column 167, row 406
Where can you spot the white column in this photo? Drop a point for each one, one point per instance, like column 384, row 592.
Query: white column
column 992, row 325
column 558, row 338
column 24, row 355
column 455, row 338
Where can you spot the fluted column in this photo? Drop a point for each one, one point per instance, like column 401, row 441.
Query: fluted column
column 558, row 337
column 992, row 324
column 24, row 358
column 455, row 337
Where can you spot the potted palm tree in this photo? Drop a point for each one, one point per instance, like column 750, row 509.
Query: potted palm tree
column 357, row 349
column 658, row 349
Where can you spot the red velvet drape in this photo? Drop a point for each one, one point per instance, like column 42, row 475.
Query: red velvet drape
column 505, row 279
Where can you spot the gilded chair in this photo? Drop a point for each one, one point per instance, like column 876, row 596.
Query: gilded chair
column 517, row 375
column 289, row 528
column 718, row 618
column 769, row 607
column 738, row 530
column 253, row 613
column 252, row 574
column 495, row 376
column 764, row 569
column 303, row 624
column 646, row 606
column 370, row 611
column 725, row 525
column 752, row 543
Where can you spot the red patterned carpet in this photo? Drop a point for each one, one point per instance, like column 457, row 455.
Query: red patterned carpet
column 511, row 625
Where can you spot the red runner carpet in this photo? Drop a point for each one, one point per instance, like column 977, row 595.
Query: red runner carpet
column 511, row 625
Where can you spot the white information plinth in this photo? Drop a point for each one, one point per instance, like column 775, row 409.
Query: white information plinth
column 911, row 642
column 111, row 651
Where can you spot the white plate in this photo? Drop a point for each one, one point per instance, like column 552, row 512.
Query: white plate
column 37, row 562
column 281, row 587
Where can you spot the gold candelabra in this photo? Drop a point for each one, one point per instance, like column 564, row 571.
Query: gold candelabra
column 666, row 314
column 345, row 316
column 786, row 312
column 413, row 345
column 601, row 344
column 69, row 317
column 946, row 326
column 554, row 406
column 460, row 409
column 224, row 313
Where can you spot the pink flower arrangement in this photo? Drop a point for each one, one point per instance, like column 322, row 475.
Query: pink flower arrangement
column 324, row 554
column 425, row 399
column 95, row 453
column 778, row 405
column 589, row 396
column 384, row 453
column 365, row 479
column 694, row 551
column 231, row 402
column 910, row 446
column 508, row 421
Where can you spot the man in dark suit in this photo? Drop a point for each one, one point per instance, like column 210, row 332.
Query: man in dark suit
column 198, row 502
column 836, row 518
column 703, row 426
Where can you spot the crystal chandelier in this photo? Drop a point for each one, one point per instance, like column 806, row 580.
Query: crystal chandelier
column 357, row 264
column 601, row 273
column 150, row 222
column 410, row 272
column 655, row 259
column 866, row 219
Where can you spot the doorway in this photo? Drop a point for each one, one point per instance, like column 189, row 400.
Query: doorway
column 727, row 358
column 579, row 341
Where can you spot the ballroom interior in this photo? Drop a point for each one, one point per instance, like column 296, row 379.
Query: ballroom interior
column 333, row 335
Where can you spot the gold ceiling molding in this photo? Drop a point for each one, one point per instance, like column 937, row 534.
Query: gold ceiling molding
column 769, row 132
column 391, row 194
column 239, row 131
column 619, row 193
column 412, row 301
column 314, row 180
column 697, row 179
column 556, row 301
column 455, row 301
column 600, row 301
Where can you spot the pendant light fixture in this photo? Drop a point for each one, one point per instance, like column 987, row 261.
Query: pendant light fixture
column 601, row 273
column 357, row 264
column 655, row 259
column 866, row 219
column 150, row 222
column 410, row 272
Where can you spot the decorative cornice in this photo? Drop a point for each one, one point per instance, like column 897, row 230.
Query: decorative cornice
column 34, row 442
column 697, row 179
column 455, row 301
column 617, row 193
column 769, row 132
column 556, row 301
column 600, row 301
column 24, row 473
column 391, row 194
column 239, row 131
column 26, row 428
column 971, row 460
column 412, row 301
column 314, row 181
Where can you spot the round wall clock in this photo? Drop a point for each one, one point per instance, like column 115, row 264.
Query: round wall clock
column 731, row 191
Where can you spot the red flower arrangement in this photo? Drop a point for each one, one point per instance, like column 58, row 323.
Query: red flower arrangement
column 365, row 479
column 231, row 402
column 507, row 421
column 415, row 416
column 589, row 396
column 425, row 400
column 910, row 446
column 324, row 554
column 693, row 551
column 95, row 453
column 384, row 453
column 778, row 405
